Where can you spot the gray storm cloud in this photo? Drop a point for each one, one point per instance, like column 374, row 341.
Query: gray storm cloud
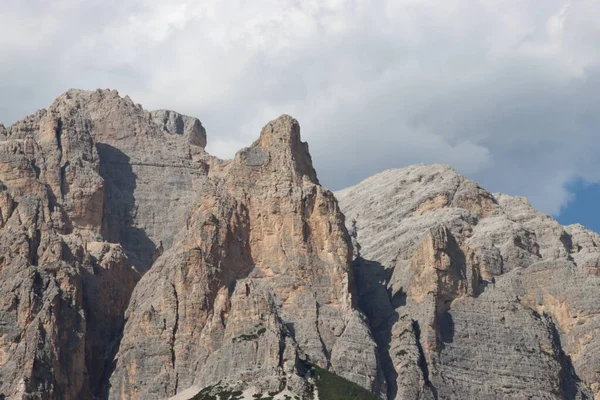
column 506, row 91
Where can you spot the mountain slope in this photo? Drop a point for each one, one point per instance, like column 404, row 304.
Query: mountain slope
column 482, row 296
column 83, row 216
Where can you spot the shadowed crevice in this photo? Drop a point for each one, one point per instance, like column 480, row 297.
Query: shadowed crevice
column 379, row 306
column 175, row 326
column 422, row 360
column 34, row 244
column 570, row 383
column 446, row 327
column 323, row 346
column 64, row 186
column 58, row 134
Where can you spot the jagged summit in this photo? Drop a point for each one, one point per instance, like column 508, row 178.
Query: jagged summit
column 135, row 265
column 106, row 103
column 279, row 149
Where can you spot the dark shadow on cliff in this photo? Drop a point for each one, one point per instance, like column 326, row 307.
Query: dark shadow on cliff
column 120, row 208
column 110, row 365
column 379, row 307
column 104, row 329
column 570, row 383
column 423, row 361
column 106, row 325
column 446, row 327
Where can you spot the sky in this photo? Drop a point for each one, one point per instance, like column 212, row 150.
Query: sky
column 505, row 91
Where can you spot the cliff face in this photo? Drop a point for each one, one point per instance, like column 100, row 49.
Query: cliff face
column 482, row 296
column 134, row 265
column 251, row 261
column 258, row 280
column 91, row 190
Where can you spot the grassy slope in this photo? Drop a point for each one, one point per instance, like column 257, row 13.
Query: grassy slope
column 329, row 385
column 334, row 387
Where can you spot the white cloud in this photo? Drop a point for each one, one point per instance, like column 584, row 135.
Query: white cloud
column 504, row 90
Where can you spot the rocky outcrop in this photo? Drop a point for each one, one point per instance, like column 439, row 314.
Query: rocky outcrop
column 78, row 226
column 481, row 295
column 258, row 280
column 251, row 275
column 42, row 334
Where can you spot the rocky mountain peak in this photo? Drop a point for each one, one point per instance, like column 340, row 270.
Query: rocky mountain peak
column 285, row 129
column 280, row 148
column 134, row 265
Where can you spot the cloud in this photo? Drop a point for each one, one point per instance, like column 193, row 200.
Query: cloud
column 504, row 90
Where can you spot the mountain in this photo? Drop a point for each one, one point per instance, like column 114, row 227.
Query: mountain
column 472, row 294
column 135, row 265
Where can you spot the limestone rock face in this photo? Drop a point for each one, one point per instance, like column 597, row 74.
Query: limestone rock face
column 473, row 295
column 134, row 265
column 244, row 266
column 258, row 280
column 175, row 123
column 80, row 219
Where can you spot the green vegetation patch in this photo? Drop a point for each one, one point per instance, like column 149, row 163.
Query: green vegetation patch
column 334, row 387
column 329, row 385
column 218, row 393
column 253, row 336
column 260, row 396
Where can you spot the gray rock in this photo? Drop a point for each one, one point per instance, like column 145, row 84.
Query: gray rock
column 256, row 281
column 134, row 265
column 85, row 188
column 487, row 298
column 178, row 124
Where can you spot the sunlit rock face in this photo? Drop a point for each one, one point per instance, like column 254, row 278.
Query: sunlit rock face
column 242, row 268
column 472, row 294
column 258, row 280
column 135, row 265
